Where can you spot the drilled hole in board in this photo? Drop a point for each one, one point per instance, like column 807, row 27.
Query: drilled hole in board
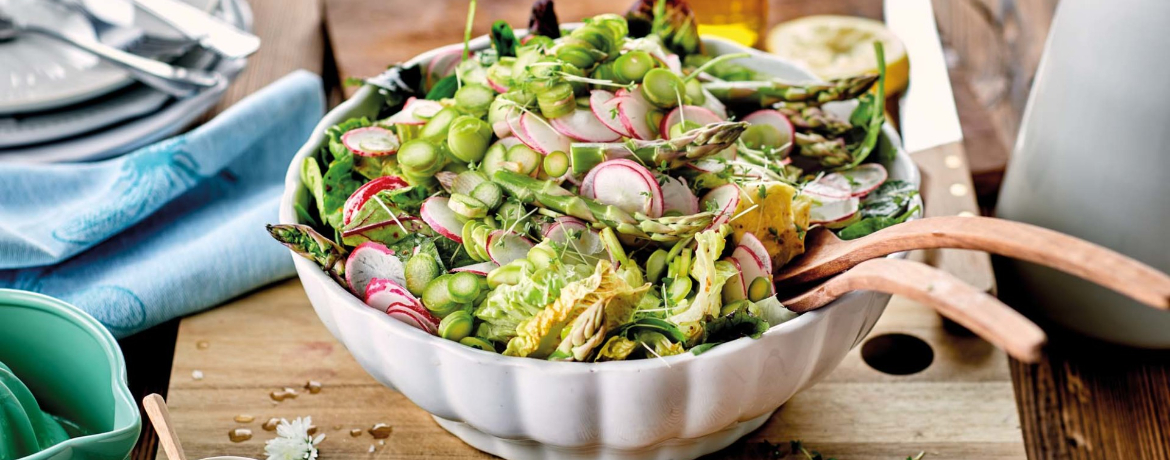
column 897, row 354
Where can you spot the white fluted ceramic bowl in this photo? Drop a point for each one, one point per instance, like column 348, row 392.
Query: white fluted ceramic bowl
column 678, row 407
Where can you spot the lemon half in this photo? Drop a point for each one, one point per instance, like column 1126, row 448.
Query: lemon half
column 840, row 46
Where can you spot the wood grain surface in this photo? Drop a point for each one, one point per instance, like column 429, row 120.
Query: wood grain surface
column 961, row 406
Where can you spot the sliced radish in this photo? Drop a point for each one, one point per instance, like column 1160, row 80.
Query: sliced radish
column 625, row 184
column 575, row 233
column 676, row 196
column 693, row 113
column 582, row 125
column 736, row 287
column 752, row 267
column 467, row 181
column 498, row 87
column 502, row 129
column 390, row 297
column 415, row 112
column 633, row 110
column 441, row 218
column 603, row 104
column 829, row 187
column 776, row 120
column 621, row 92
column 756, row 247
column 540, row 136
column 504, row 246
column 373, row 228
column 446, row 180
column 825, row 210
column 724, row 199
column 862, row 179
column 363, row 193
column 372, row 260
column 371, row 141
column 480, row 269
column 443, row 64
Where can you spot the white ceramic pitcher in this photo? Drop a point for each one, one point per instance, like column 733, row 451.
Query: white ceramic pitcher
column 1093, row 160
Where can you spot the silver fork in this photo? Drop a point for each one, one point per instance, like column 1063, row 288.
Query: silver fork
column 176, row 81
column 130, row 39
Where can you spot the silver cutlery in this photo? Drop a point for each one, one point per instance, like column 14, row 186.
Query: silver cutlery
column 210, row 32
column 128, row 37
column 176, row 81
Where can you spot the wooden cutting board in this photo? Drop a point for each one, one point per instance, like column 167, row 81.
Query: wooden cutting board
column 961, row 406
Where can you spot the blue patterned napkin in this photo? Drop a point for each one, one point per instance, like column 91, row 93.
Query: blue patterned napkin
column 166, row 230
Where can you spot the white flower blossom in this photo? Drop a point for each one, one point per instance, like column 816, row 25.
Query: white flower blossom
column 293, row 441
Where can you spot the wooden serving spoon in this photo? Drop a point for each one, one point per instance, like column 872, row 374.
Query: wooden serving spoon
column 160, row 417
column 826, row 255
column 983, row 314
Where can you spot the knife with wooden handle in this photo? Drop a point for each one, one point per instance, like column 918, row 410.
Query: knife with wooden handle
column 932, row 134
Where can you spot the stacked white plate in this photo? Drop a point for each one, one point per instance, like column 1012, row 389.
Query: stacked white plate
column 58, row 103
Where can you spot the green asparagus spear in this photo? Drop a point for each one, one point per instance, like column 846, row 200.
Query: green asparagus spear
column 830, row 152
column 815, row 119
column 768, row 93
column 311, row 245
column 587, row 333
column 690, row 146
column 550, row 195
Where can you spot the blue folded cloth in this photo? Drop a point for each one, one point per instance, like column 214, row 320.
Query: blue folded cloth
column 166, row 230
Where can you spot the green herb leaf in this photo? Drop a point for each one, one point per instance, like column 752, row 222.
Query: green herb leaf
column 503, row 39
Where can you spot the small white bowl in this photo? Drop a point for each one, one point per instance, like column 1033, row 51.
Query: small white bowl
column 681, row 406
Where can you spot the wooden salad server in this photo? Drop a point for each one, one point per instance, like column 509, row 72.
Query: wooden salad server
column 976, row 310
column 160, row 417
column 826, row 255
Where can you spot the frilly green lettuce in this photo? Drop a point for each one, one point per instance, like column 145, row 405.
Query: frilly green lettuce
column 507, row 306
column 711, row 274
column 538, row 336
column 771, row 310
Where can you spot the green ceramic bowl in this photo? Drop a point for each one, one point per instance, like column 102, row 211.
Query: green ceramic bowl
column 76, row 371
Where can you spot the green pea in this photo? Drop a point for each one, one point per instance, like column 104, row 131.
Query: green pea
column 456, row 326
column 663, row 88
column 556, row 163
column 633, row 66
column 760, row 289
column 478, row 343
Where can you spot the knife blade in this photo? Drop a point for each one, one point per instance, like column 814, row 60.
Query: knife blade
column 212, row 33
column 932, row 134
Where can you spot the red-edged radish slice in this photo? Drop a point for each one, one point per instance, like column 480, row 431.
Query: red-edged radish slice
column 441, row 218
column 724, row 199
column 862, row 179
column 363, row 193
column 504, row 246
column 751, row 267
column 561, row 225
column 715, row 163
column 415, row 112
column 540, row 136
column 603, row 104
column 676, row 196
column 446, row 180
column 693, row 113
column 633, row 110
column 443, row 64
column 480, row 269
column 673, row 63
column 502, row 129
column 496, row 86
column 371, row 141
column 776, row 120
column 825, row 211
column 621, row 92
column 576, row 234
column 390, row 297
column 372, row 260
column 710, row 102
column 626, row 185
column 582, row 125
column 736, row 287
column 756, row 247
column 517, row 130
column 829, row 188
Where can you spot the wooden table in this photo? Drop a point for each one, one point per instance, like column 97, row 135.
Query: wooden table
column 1084, row 400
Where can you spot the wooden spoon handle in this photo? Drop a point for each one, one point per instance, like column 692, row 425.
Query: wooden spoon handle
column 160, row 417
column 970, row 307
column 1034, row 244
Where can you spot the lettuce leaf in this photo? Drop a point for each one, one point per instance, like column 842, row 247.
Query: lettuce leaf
column 711, row 274
column 507, row 306
column 728, row 328
column 538, row 336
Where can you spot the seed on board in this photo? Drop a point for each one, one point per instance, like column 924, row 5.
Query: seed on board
column 371, row 448
column 313, row 386
column 244, row 418
column 197, row 374
column 380, row 431
column 284, row 394
column 312, row 430
column 240, row 435
column 270, row 425
column 202, row 344
column 355, row 432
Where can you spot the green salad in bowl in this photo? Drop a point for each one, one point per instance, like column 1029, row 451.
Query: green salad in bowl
column 609, row 192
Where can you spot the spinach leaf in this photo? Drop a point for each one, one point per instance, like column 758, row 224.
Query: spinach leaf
column 870, row 225
column 870, row 113
column 444, row 88
column 503, row 40
column 888, row 199
column 338, row 184
column 727, row 328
